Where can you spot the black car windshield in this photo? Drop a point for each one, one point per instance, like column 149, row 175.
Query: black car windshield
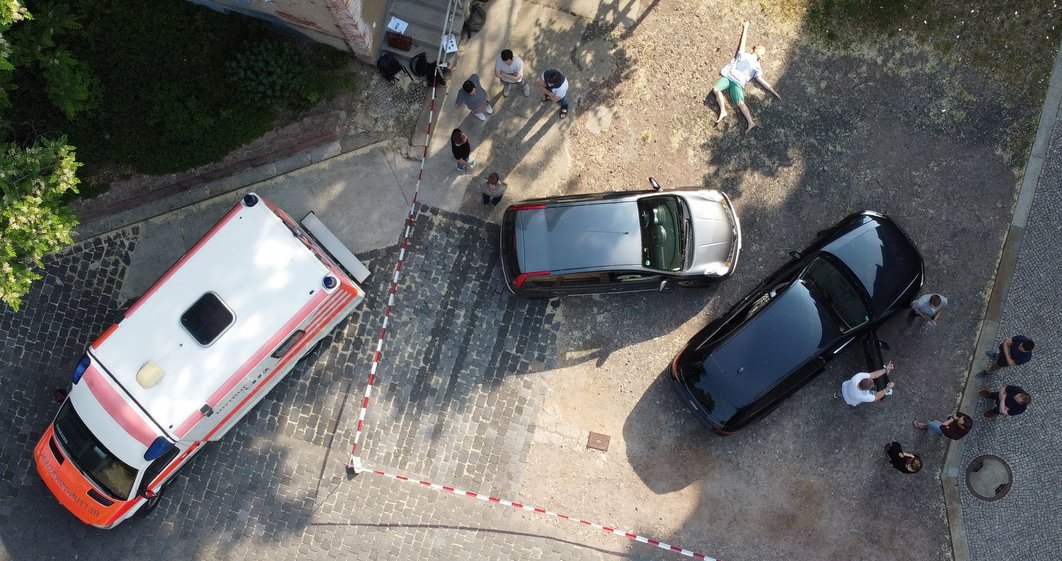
column 663, row 232
column 836, row 292
column 90, row 456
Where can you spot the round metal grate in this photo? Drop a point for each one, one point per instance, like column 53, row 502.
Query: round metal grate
column 989, row 477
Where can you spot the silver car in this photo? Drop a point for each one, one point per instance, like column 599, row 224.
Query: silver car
column 619, row 241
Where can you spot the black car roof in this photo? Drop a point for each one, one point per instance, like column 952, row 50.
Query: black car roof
column 785, row 334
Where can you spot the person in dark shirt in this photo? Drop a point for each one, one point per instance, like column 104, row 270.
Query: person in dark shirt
column 904, row 462
column 1014, row 351
column 462, row 150
column 1010, row 401
column 954, row 427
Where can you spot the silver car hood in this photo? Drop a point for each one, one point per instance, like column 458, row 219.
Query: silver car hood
column 716, row 230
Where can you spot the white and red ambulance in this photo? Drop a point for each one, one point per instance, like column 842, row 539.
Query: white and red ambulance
column 192, row 356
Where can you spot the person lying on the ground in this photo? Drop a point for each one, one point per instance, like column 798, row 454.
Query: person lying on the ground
column 745, row 66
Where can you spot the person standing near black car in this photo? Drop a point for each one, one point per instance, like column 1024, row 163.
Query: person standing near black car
column 904, row 462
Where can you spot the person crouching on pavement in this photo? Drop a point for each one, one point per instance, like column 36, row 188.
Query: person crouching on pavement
column 554, row 87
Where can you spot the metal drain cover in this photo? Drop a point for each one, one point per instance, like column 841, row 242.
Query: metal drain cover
column 989, row 477
column 598, row 441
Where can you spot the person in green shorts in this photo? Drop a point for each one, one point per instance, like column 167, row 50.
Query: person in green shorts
column 745, row 66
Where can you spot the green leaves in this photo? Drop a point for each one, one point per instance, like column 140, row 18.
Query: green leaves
column 271, row 73
column 38, row 46
column 34, row 221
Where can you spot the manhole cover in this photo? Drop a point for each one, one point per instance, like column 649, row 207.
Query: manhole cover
column 598, row 441
column 988, row 477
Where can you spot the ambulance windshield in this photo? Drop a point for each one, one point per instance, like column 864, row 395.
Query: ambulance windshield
column 95, row 461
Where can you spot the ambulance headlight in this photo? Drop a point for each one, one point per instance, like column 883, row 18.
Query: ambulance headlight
column 81, row 367
column 158, row 448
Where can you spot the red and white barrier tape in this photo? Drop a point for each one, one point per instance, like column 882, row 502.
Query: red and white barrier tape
column 354, row 462
column 537, row 510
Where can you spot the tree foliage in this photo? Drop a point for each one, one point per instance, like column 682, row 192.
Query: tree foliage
column 146, row 87
column 34, row 221
column 10, row 12
column 34, row 178
column 38, row 48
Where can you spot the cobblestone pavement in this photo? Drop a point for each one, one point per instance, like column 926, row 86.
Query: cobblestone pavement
column 458, row 410
column 1025, row 523
column 65, row 310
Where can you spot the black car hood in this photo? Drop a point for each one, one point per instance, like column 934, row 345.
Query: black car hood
column 882, row 258
column 784, row 335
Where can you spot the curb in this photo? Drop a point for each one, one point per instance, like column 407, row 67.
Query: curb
column 951, row 473
column 188, row 196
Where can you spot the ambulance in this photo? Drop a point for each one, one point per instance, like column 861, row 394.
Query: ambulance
column 192, row 356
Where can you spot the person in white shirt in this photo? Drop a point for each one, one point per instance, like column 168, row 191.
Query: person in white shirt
column 745, row 66
column 554, row 87
column 860, row 388
column 929, row 307
column 509, row 68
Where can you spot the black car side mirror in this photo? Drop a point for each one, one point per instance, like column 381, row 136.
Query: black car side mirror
column 795, row 254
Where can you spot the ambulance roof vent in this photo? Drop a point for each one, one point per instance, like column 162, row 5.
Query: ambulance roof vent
column 149, row 375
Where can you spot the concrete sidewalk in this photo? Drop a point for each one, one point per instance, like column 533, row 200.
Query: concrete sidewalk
column 1027, row 295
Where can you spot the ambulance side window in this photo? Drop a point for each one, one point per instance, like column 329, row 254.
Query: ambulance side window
column 288, row 344
column 156, row 468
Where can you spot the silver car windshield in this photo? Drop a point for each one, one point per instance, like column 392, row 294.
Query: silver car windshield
column 663, row 232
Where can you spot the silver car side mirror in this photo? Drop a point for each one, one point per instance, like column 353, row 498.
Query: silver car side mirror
column 656, row 186
column 663, row 285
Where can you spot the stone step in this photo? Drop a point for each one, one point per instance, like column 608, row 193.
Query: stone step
column 427, row 14
column 426, row 21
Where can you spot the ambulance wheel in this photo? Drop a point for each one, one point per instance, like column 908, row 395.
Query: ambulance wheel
column 152, row 503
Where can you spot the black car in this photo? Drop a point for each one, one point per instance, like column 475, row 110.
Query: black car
column 778, row 337
column 619, row 241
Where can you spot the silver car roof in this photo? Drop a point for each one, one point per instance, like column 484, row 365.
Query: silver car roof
column 585, row 235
